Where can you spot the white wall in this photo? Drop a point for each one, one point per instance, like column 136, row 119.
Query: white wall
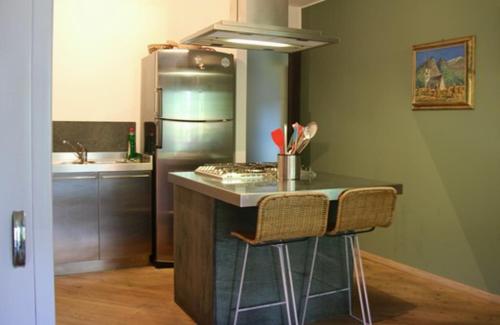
column 188, row 16
column 98, row 46
column 294, row 17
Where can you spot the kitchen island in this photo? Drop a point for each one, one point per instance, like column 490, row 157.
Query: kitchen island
column 208, row 260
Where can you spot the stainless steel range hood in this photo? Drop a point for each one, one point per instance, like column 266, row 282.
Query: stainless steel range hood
column 237, row 35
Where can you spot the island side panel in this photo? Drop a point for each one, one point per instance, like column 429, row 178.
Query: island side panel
column 194, row 254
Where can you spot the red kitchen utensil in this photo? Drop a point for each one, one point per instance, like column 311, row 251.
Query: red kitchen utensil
column 278, row 138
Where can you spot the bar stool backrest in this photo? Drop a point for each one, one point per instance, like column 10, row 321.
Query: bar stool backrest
column 291, row 216
column 364, row 208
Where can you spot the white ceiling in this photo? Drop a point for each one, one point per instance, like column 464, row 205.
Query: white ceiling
column 303, row 3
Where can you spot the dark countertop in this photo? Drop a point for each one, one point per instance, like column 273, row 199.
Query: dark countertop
column 249, row 194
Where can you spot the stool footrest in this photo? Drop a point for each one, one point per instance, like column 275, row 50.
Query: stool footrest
column 326, row 293
column 263, row 306
column 356, row 318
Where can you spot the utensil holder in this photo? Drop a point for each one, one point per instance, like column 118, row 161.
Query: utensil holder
column 289, row 167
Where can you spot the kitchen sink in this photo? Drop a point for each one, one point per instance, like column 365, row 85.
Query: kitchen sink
column 65, row 162
column 75, row 162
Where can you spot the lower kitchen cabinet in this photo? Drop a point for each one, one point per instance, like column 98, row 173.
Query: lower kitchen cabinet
column 101, row 220
column 76, row 222
column 125, row 214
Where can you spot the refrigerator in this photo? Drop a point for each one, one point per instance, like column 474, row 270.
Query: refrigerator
column 187, row 119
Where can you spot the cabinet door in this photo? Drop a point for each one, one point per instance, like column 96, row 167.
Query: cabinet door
column 125, row 214
column 76, row 218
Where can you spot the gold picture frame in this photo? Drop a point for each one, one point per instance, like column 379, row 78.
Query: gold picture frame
column 444, row 74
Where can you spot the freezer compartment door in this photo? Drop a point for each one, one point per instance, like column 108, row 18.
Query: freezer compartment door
column 196, row 141
column 197, row 85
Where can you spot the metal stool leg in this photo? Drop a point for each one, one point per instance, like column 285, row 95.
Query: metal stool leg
column 292, row 292
column 363, row 282
column 358, row 285
column 359, row 280
column 348, row 272
column 242, row 278
column 284, row 284
column 309, row 281
column 352, row 244
column 283, row 277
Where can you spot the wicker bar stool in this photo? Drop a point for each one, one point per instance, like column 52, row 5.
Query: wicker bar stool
column 359, row 210
column 283, row 218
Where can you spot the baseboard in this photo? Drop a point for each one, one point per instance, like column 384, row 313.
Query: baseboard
column 100, row 265
column 433, row 277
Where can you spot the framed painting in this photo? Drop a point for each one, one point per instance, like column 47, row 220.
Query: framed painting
column 443, row 74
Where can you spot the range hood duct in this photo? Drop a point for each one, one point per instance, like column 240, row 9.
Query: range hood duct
column 238, row 35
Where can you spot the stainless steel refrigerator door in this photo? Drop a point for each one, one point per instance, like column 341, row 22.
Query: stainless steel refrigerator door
column 200, row 141
column 186, row 145
column 195, row 85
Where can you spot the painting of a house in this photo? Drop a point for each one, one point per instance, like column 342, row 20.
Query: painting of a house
column 443, row 75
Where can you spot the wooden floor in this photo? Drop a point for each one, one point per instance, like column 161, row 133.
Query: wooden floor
column 145, row 296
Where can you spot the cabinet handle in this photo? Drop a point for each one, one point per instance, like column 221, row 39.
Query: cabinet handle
column 18, row 239
column 126, row 176
column 74, row 177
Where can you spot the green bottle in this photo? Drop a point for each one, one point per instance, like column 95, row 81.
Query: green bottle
column 132, row 154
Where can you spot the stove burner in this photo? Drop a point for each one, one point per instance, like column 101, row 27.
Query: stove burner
column 239, row 172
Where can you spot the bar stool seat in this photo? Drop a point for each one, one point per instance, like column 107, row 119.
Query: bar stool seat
column 359, row 210
column 283, row 218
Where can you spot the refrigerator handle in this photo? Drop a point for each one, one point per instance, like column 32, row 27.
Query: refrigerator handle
column 159, row 102
column 159, row 133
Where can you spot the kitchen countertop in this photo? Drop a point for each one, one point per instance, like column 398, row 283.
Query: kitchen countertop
column 63, row 162
column 249, row 194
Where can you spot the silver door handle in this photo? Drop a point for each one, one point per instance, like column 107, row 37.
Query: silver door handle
column 125, row 176
column 58, row 178
column 18, row 239
column 194, row 121
column 159, row 133
column 159, row 115
column 159, row 102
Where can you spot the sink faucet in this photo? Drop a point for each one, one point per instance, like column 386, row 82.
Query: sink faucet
column 81, row 152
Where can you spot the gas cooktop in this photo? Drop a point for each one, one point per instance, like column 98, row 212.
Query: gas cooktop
column 239, row 172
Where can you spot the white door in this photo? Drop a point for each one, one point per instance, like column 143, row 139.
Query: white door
column 26, row 292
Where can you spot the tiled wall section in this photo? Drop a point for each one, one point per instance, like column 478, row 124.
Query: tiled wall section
column 95, row 136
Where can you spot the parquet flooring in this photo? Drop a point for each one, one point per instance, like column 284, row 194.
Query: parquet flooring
column 145, row 296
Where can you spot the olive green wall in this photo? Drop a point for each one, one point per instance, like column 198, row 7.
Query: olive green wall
column 448, row 219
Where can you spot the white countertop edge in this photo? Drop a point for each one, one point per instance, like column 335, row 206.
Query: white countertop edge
column 101, row 167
